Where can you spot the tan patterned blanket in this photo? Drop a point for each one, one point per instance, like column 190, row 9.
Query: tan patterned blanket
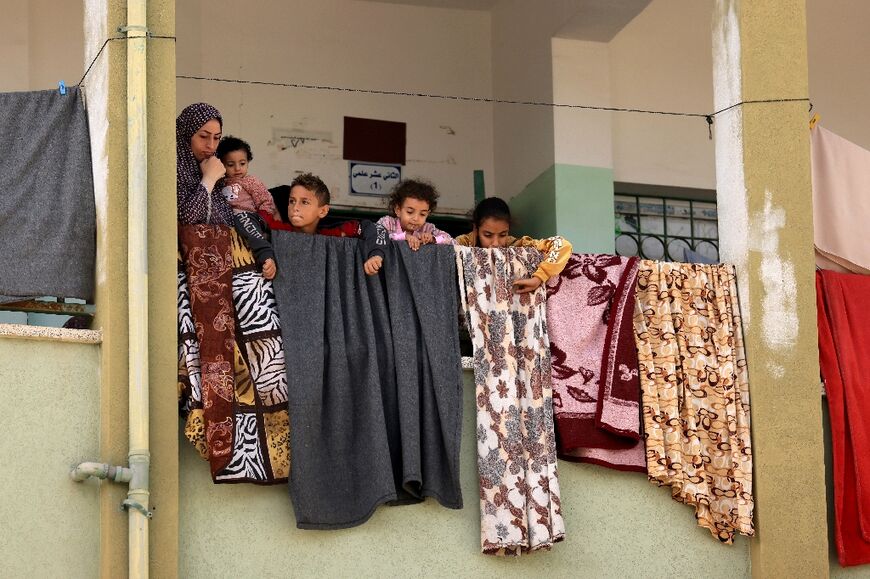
column 695, row 391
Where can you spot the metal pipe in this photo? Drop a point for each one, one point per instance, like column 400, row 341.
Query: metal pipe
column 137, row 286
column 101, row 470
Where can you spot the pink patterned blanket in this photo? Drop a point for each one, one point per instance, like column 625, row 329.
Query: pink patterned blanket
column 596, row 391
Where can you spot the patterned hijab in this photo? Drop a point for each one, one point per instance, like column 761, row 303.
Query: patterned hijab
column 191, row 119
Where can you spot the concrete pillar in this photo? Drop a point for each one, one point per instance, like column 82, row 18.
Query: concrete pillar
column 573, row 197
column 162, row 290
column 105, row 89
column 583, row 146
column 765, row 215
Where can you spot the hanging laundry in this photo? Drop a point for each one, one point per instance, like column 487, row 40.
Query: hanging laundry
column 596, row 390
column 520, row 508
column 844, row 340
column 208, row 263
column 256, row 415
column 374, row 376
column 695, row 391
column 47, row 213
column 841, row 206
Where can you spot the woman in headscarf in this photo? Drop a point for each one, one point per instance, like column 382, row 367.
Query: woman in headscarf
column 205, row 287
column 197, row 134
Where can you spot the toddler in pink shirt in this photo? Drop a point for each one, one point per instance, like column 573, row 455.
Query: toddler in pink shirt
column 244, row 192
column 410, row 203
column 247, row 196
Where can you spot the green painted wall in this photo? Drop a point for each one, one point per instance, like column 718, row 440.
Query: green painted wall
column 534, row 209
column 584, row 207
column 573, row 201
column 618, row 525
column 49, row 525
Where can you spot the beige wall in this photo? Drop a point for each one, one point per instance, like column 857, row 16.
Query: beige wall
column 618, row 525
column 49, row 525
column 345, row 43
column 839, row 83
column 42, row 43
column 15, row 47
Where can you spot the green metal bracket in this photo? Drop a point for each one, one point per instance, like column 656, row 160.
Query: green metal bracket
column 479, row 186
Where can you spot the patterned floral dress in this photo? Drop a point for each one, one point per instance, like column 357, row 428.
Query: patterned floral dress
column 520, row 509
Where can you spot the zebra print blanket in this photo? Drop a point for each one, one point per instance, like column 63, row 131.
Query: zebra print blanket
column 257, row 419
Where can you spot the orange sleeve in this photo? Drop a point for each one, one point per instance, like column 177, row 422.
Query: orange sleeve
column 556, row 250
column 466, row 239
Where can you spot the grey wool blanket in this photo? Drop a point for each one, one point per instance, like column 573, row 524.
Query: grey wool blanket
column 47, row 215
column 373, row 375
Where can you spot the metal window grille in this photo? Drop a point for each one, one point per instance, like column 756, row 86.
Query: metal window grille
column 666, row 229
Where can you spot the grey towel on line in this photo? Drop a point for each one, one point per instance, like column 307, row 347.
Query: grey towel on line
column 374, row 377
column 47, row 214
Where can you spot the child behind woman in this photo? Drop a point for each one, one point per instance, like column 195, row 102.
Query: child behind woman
column 247, row 195
column 308, row 203
column 410, row 203
column 492, row 223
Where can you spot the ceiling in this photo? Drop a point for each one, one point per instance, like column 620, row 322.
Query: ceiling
column 461, row 4
column 596, row 20
column 601, row 20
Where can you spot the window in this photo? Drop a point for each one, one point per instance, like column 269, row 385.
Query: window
column 666, row 228
column 51, row 312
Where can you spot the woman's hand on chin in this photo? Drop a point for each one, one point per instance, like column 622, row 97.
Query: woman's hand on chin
column 212, row 171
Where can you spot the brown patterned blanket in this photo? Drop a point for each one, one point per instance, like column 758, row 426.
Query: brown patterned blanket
column 231, row 372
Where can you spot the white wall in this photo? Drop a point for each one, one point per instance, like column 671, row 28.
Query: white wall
column 522, row 69
column 662, row 60
column 581, row 75
column 42, row 42
column 345, row 43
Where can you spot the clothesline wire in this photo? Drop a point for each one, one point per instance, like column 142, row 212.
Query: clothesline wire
column 110, row 39
column 757, row 101
column 487, row 99
column 709, row 117
column 437, row 96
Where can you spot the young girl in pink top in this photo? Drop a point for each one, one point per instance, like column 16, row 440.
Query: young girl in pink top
column 410, row 204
